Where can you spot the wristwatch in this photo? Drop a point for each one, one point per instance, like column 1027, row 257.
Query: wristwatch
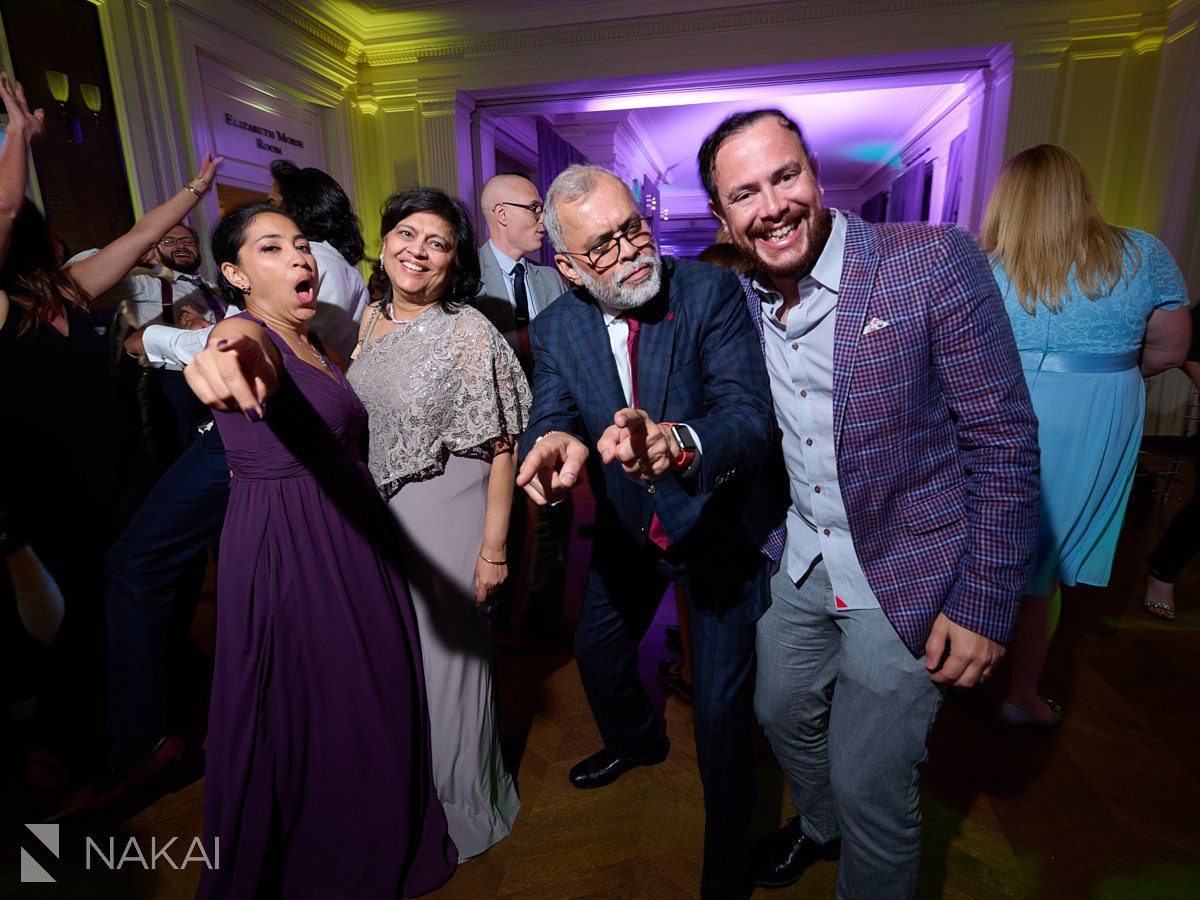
column 687, row 445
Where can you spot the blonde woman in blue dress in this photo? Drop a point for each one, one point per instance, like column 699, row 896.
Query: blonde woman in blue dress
column 1095, row 309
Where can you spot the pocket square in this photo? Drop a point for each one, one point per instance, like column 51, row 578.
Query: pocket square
column 874, row 325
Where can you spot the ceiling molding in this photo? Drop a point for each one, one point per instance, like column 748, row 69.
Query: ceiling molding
column 336, row 40
column 772, row 15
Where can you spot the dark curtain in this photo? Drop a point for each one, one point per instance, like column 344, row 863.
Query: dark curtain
column 954, row 170
column 554, row 155
column 907, row 195
column 875, row 209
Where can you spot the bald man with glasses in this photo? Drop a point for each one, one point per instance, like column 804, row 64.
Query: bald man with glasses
column 515, row 289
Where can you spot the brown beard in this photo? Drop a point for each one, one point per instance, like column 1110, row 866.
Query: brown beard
column 189, row 269
column 821, row 220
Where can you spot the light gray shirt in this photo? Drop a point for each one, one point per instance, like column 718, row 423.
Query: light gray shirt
column 800, row 364
column 507, row 266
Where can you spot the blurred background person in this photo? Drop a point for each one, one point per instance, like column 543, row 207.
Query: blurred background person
column 317, row 776
column 1182, row 538
column 59, row 417
column 1094, row 308
column 321, row 208
column 172, row 292
column 446, row 399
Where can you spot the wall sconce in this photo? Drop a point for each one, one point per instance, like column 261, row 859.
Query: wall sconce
column 60, row 89
column 93, row 100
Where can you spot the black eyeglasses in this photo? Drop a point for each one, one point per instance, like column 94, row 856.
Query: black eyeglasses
column 605, row 254
column 171, row 242
column 535, row 208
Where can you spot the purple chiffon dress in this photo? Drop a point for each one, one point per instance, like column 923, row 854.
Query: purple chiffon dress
column 318, row 780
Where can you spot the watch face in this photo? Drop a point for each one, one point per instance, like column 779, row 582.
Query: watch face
column 683, row 437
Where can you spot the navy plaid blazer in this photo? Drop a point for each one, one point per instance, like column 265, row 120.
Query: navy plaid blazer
column 935, row 433
column 699, row 362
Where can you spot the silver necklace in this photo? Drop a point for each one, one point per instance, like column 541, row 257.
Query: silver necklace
column 319, row 357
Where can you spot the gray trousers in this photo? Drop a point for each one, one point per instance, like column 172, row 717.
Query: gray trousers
column 847, row 710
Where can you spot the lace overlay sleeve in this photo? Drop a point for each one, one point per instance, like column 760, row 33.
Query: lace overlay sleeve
column 440, row 384
column 494, row 396
column 1166, row 281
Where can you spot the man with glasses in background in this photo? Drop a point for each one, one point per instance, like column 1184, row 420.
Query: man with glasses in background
column 172, row 294
column 650, row 371
column 181, row 300
column 514, row 290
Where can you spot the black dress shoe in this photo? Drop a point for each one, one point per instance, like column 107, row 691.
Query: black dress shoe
column 781, row 857
column 670, row 673
column 605, row 767
column 674, row 640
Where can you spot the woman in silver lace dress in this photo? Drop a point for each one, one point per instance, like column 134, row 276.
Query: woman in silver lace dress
column 446, row 400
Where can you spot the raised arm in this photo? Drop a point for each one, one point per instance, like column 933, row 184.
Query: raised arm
column 98, row 273
column 23, row 128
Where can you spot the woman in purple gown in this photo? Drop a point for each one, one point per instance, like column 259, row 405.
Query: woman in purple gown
column 318, row 780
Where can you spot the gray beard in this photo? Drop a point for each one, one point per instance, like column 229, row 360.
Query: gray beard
column 615, row 295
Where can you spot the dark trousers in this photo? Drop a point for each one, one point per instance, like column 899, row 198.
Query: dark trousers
column 155, row 570
column 1179, row 544
column 547, row 564
column 170, row 413
column 624, row 590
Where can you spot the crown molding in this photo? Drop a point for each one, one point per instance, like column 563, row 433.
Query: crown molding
column 763, row 15
column 337, row 41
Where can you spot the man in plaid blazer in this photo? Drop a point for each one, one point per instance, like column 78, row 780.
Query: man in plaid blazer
column 655, row 364
column 910, row 447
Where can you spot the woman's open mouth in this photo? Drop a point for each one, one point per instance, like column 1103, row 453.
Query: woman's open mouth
column 305, row 292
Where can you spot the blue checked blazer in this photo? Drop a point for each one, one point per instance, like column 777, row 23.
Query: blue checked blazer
column 936, row 437
column 698, row 362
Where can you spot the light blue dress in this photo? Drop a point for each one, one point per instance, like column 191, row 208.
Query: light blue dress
column 1081, row 365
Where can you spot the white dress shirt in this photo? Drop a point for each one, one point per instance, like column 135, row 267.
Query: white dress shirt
column 342, row 296
column 177, row 347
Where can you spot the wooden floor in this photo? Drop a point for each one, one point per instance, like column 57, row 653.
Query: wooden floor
column 1107, row 806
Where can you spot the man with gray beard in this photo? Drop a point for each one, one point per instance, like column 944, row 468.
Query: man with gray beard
column 649, row 371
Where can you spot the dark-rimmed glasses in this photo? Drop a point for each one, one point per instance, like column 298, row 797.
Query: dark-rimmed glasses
column 535, row 208
column 605, row 254
column 182, row 241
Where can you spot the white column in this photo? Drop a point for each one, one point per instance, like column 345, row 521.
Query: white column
column 447, row 162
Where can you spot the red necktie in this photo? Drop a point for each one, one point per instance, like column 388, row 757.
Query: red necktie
column 658, row 534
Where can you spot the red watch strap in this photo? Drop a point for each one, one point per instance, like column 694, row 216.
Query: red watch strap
column 685, row 457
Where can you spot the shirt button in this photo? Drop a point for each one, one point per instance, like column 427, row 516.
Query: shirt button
column 817, row 489
column 804, row 393
column 808, row 442
column 650, row 489
column 795, row 345
column 826, row 532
